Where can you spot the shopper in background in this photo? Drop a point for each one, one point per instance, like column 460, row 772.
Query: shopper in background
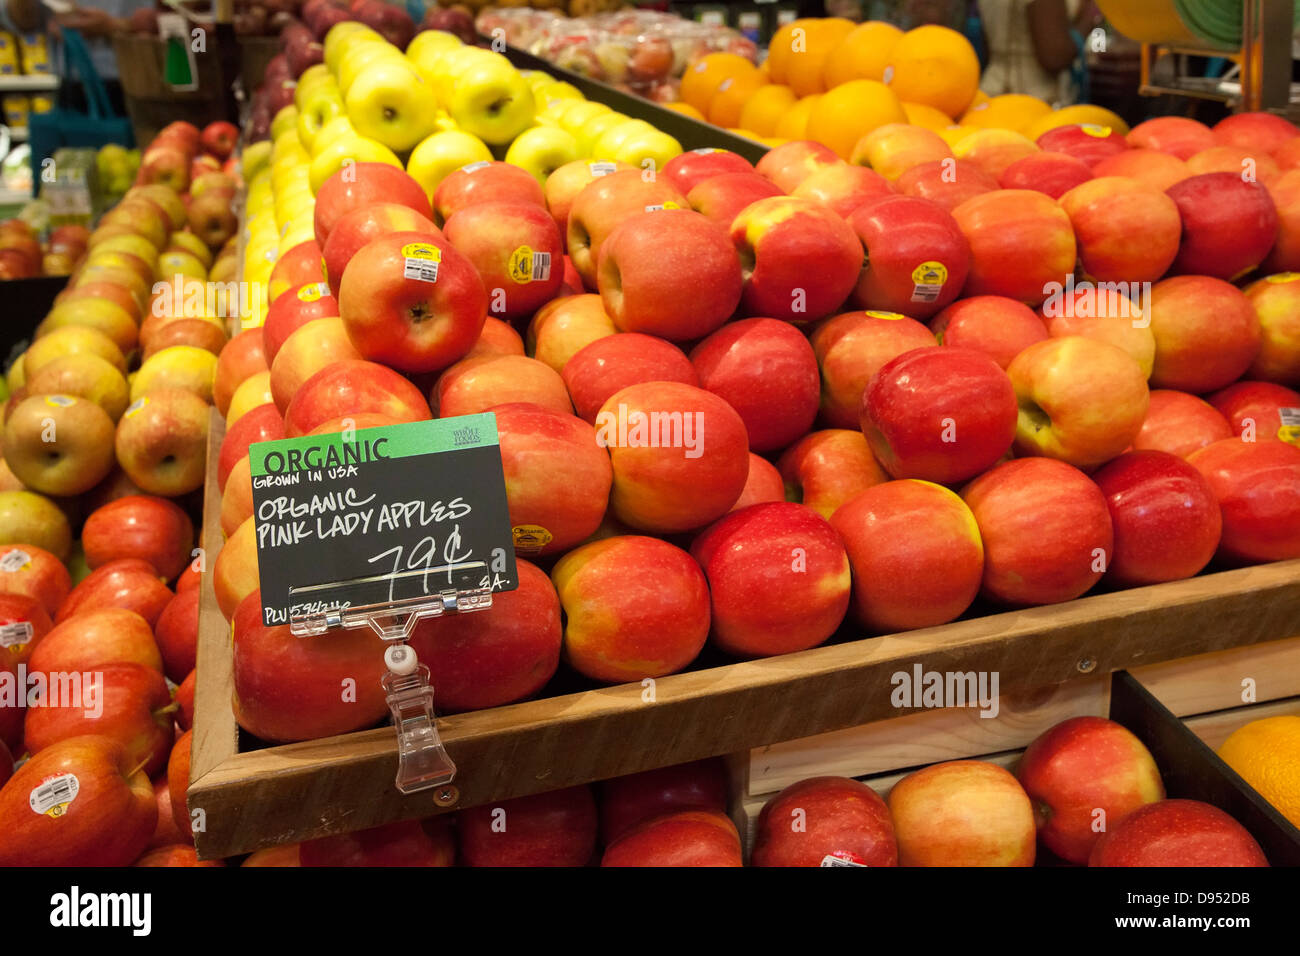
column 97, row 21
column 1033, row 46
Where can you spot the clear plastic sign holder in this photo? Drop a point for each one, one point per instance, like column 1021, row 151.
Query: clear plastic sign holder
column 422, row 761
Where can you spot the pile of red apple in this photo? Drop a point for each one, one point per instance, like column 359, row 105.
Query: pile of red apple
column 24, row 256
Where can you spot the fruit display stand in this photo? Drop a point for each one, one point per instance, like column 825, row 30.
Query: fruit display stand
column 1186, row 760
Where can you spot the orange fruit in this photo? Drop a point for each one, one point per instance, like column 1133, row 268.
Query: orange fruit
column 811, row 51
column 686, row 109
column 732, row 95
column 765, row 107
column 794, row 124
column 780, row 49
column 701, row 80
column 935, row 66
column 851, row 111
column 1267, row 755
column 862, row 54
column 1017, row 111
column 918, row 114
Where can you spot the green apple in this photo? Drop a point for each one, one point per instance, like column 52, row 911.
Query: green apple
column 591, row 131
column 354, row 148
column 342, row 37
column 389, row 102
column 284, row 121
column 442, row 154
column 318, row 108
column 542, row 150
column 337, row 128
column 644, row 146
column 607, row 145
column 492, row 101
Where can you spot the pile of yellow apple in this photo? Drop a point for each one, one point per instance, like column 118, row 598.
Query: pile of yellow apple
column 432, row 109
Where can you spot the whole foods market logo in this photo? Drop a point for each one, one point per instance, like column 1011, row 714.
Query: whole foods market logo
column 464, row 437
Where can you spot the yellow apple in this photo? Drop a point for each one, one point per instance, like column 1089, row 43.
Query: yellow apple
column 562, row 90
column 612, row 138
column 544, row 149
column 252, row 392
column 356, row 149
column 643, row 147
column 315, row 74
column 492, row 101
column 284, row 121
column 254, row 159
column 343, row 35
column 453, row 63
column 359, row 59
column 444, row 153
column 389, row 102
column 318, row 108
column 178, row 366
column 337, row 128
column 428, row 45
column 591, row 131
column 576, row 115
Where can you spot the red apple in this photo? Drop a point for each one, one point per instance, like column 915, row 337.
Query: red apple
column 916, row 257
column 1285, row 255
column 763, row 484
column 603, row 205
column 129, row 583
column 291, row 688
column 962, row 813
column 1165, row 517
column 1080, row 400
column 1087, row 142
column 28, row 570
column 1176, row 135
column 177, row 633
column 999, row 327
column 628, row 801
column 241, row 358
column 185, row 702
column 319, row 343
column 174, row 855
column 687, row 170
column 497, row 338
column 827, row 468
column 646, row 262
column 616, row 633
column 1177, row 833
column 685, row 838
column 843, row 188
column 820, row 819
column 1086, row 775
column 360, row 185
column 778, row 579
column 498, row 655
column 556, row 828
column 357, row 229
column 563, row 326
column 1229, row 225
column 1156, row 169
column 790, row 164
column 219, row 138
column 915, row 552
column 1126, row 231
column 300, row 265
column 517, row 250
column 106, row 820
column 475, row 384
column 263, row 423
column 1257, row 485
column 110, row 635
column 603, row 367
column 668, row 476
column 349, row 387
column 1046, row 531
column 1247, row 163
column 401, row 843
column 140, row 526
column 767, row 371
column 1180, row 423
column 563, row 185
column 1206, row 333
column 296, row 308
column 162, row 441
column 485, row 182
column 1254, row 409
column 949, row 183
column 799, row 259
column 1258, row 130
column 128, row 702
column 411, row 301
column 722, row 198
column 850, row 349
column 1276, row 301
column 1020, row 241
column 1105, row 314
column 23, row 622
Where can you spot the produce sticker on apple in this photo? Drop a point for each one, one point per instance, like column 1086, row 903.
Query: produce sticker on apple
column 381, row 516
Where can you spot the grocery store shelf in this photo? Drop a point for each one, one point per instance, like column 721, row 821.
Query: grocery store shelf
column 10, row 197
column 35, row 83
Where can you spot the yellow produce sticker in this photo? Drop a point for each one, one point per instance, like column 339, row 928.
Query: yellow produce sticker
column 659, row 207
column 892, row 316
column 529, row 266
column 53, row 795
column 313, row 292
column 530, row 538
column 1290, row 430
column 927, row 281
column 60, row 401
column 136, row 406
column 1093, row 129
column 420, row 261
column 1283, row 277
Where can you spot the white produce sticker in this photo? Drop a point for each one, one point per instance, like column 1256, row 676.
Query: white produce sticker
column 53, row 796
column 14, row 561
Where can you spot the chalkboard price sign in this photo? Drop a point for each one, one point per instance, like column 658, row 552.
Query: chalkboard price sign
column 380, row 515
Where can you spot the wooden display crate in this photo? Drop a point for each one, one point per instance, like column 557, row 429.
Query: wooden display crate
column 259, row 798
